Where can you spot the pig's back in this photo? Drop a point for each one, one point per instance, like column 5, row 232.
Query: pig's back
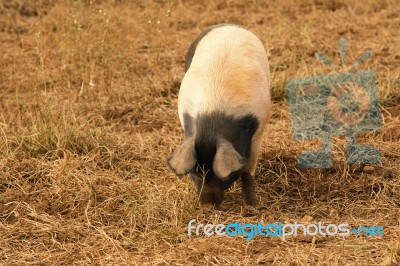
column 228, row 73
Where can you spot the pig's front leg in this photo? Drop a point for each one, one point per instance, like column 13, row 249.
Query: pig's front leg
column 248, row 182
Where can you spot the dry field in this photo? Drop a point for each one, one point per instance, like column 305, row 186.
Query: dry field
column 88, row 115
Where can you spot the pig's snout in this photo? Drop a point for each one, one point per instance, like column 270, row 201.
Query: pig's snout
column 211, row 196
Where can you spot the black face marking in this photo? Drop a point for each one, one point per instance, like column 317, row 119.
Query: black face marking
column 188, row 122
column 193, row 46
column 238, row 131
column 209, row 128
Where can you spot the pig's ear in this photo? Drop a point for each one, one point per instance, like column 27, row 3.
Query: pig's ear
column 227, row 160
column 184, row 158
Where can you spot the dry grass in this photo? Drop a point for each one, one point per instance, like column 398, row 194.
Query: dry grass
column 88, row 115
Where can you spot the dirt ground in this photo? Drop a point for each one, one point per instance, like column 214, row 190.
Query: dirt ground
column 88, row 115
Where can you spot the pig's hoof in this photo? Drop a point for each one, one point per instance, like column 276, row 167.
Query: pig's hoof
column 251, row 200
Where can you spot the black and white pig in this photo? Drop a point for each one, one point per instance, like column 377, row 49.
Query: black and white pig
column 224, row 104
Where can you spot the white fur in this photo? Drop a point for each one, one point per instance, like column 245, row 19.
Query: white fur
column 230, row 73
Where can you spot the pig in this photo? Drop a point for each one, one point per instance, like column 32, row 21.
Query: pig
column 223, row 105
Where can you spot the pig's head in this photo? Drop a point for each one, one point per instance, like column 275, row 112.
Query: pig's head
column 214, row 152
column 213, row 166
